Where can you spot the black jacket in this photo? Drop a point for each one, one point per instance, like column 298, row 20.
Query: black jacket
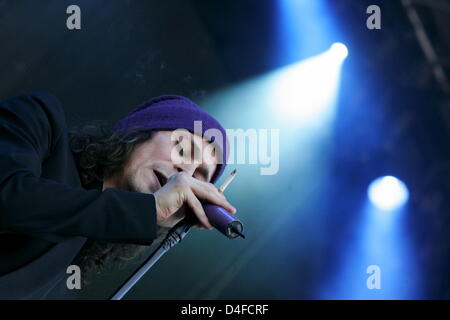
column 45, row 213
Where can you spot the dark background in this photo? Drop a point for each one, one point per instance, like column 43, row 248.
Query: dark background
column 392, row 119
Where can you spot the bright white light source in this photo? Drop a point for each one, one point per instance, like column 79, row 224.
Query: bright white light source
column 305, row 93
column 388, row 193
column 339, row 50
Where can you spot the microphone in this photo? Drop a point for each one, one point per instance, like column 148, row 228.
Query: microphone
column 220, row 219
column 223, row 221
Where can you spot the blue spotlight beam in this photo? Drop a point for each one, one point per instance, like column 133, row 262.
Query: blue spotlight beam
column 380, row 242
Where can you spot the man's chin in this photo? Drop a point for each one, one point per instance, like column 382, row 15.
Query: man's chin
column 152, row 189
column 129, row 185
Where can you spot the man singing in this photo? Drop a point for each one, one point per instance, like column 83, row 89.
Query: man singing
column 89, row 199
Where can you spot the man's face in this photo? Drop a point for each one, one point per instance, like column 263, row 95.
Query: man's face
column 154, row 161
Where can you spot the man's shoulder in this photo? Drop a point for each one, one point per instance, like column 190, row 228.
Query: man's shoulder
column 40, row 99
column 34, row 105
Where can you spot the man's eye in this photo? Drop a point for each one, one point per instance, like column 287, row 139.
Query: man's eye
column 178, row 144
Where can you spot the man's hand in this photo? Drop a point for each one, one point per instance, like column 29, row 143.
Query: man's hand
column 182, row 189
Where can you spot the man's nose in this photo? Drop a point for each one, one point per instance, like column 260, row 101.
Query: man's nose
column 186, row 168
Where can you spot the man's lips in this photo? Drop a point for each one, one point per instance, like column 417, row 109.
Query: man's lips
column 161, row 178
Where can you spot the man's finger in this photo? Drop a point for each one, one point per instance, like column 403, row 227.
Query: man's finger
column 197, row 207
column 208, row 192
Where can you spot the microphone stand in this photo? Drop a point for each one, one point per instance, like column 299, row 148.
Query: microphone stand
column 173, row 237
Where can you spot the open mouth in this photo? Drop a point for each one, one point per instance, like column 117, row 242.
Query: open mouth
column 161, row 178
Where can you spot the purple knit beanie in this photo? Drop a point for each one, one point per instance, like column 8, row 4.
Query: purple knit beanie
column 171, row 112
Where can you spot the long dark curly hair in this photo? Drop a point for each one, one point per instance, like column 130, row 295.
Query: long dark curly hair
column 100, row 153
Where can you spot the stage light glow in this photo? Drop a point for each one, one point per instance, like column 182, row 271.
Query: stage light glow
column 305, row 92
column 388, row 193
column 339, row 50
